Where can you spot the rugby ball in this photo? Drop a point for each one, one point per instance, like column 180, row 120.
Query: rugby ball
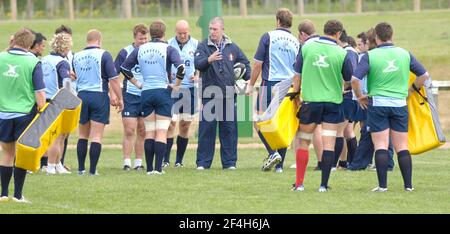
column 239, row 71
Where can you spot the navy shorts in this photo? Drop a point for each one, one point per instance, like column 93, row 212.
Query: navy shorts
column 132, row 106
column 265, row 95
column 380, row 118
column 95, row 107
column 11, row 129
column 321, row 112
column 350, row 109
column 158, row 101
column 361, row 114
column 185, row 101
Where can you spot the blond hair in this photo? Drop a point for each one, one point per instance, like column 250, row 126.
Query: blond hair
column 61, row 43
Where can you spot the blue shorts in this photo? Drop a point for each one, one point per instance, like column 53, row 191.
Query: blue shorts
column 158, row 101
column 182, row 104
column 380, row 118
column 361, row 114
column 321, row 112
column 132, row 106
column 350, row 109
column 11, row 129
column 265, row 95
column 95, row 107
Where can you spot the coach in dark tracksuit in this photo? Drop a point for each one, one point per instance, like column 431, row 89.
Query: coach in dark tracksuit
column 215, row 58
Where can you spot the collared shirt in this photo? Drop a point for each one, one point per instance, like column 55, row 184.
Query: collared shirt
column 38, row 82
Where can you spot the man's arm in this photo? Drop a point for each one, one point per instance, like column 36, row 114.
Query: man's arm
column 109, row 69
column 360, row 72
column 418, row 69
column 201, row 60
column 257, row 68
column 39, row 86
column 129, row 64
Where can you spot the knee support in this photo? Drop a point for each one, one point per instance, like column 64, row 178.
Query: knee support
column 186, row 117
column 162, row 124
column 329, row 133
column 305, row 136
column 150, row 126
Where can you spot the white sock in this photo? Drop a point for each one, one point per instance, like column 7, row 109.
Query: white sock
column 51, row 167
column 127, row 162
column 59, row 166
column 137, row 162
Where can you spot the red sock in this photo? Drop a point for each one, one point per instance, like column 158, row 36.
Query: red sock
column 302, row 162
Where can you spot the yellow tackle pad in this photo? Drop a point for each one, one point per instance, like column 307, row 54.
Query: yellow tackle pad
column 424, row 130
column 279, row 123
column 60, row 116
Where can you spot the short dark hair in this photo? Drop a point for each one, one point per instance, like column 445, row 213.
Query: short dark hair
column 307, row 26
column 363, row 37
column 332, row 27
column 158, row 29
column 351, row 41
column 140, row 28
column 344, row 36
column 370, row 34
column 63, row 29
column 284, row 15
column 384, row 31
column 38, row 39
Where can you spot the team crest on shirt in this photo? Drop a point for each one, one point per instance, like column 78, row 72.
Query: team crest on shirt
column 231, row 57
column 11, row 71
column 191, row 53
column 391, row 67
column 321, row 61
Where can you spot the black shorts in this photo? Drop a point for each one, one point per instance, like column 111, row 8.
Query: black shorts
column 11, row 129
column 380, row 118
column 95, row 107
column 320, row 112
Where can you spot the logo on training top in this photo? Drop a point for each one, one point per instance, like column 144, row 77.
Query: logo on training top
column 391, row 67
column 231, row 57
column 321, row 62
column 11, row 71
column 151, row 56
column 47, row 68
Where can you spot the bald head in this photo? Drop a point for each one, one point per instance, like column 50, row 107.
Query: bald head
column 94, row 36
column 182, row 31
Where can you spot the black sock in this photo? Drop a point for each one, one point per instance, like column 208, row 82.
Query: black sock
column 338, row 150
column 343, row 164
column 168, row 149
column 263, row 140
column 94, row 156
column 81, row 153
column 352, row 144
column 160, row 151
column 5, row 174
column 149, row 146
column 282, row 153
column 66, row 141
column 381, row 162
column 327, row 163
column 44, row 161
column 181, row 148
column 19, row 180
column 405, row 164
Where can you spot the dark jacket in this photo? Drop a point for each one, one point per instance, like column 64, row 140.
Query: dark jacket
column 219, row 73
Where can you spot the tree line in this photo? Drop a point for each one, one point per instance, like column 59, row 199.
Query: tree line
column 29, row 9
